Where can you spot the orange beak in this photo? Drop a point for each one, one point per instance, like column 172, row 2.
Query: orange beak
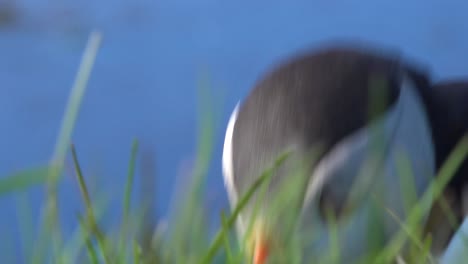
column 261, row 250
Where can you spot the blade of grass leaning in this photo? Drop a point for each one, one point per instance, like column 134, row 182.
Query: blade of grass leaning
column 187, row 213
column 81, row 180
column 136, row 252
column 206, row 134
column 255, row 214
column 77, row 240
column 128, row 195
column 209, row 119
column 281, row 214
column 130, row 179
column 283, row 211
column 148, row 201
column 412, row 235
column 218, row 240
column 448, row 169
column 71, row 112
column 427, row 242
column 124, row 252
column 447, row 212
column 410, row 198
column 135, row 222
column 444, row 205
column 75, row 99
column 91, row 250
column 256, row 209
column 23, row 180
column 90, row 218
column 93, row 258
column 227, row 245
column 50, row 220
column 101, row 240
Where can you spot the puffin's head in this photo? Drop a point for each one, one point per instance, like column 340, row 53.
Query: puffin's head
column 318, row 106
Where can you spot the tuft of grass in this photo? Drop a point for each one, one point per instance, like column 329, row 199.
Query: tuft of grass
column 89, row 221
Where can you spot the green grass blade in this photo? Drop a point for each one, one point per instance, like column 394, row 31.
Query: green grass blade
column 148, row 202
column 136, row 252
column 81, row 180
column 413, row 235
column 100, row 238
column 189, row 223
column 50, row 217
column 448, row 169
column 93, row 257
column 128, row 195
column 218, row 240
column 90, row 218
column 130, row 179
column 92, row 253
column 75, row 99
column 23, row 180
column 409, row 194
column 227, row 245
column 78, row 239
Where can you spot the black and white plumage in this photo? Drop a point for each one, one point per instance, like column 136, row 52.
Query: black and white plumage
column 321, row 99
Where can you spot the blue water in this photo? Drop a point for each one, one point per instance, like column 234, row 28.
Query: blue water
column 153, row 56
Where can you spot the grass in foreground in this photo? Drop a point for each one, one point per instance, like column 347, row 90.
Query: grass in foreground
column 187, row 239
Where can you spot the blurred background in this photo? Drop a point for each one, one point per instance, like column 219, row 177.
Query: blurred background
column 145, row 82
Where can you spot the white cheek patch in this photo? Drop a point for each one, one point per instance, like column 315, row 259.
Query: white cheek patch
column 405, row 131
column 228, row 169
column 227, row 162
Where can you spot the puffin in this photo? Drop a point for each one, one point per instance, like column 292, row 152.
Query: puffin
column 349, row 117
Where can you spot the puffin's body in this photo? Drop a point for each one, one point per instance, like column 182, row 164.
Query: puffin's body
column 317, row 106
column 448, row 110
column 447, row 106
